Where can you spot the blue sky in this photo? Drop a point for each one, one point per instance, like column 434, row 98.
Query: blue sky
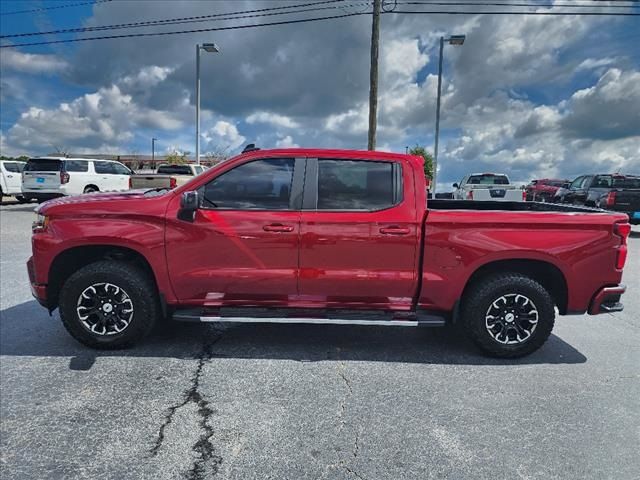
column 530, row 96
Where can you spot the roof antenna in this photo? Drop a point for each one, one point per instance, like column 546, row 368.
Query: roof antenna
column 250, row 148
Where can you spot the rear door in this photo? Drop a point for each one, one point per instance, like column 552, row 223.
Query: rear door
column 42, row 174
column 359, row 234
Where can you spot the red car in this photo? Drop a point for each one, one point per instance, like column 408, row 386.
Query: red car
column 544, row 190
column 322, row 237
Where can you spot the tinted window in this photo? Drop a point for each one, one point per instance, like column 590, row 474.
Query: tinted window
column 263, row 184
column 76, row 166
column 43, row 165
column 13, row 167
column 121, row 169
column 175, row 170
column 626, row 182
column 488, row 180
column 602, row 181
column 357, row 185
column 103, row 167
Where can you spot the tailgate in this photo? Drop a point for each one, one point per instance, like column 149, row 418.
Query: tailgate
column 150, row 181
column 42, row 174
column 498, row 192
column 629, row 201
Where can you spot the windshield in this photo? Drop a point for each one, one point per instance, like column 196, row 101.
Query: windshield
column 488, row 179
column 175, row 169
column 43, row 165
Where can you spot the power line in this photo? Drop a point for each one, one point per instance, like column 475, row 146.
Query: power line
column 314, row 19
column 199, row 18
column 526, row 12
column 54, row 7
column 512, row 4
column 200, row 30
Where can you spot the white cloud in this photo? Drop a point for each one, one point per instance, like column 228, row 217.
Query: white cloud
column 104, row 118
column 286, row 142
column 31, row 62
column 222, row 136
column 147, row 77
column 272, row 119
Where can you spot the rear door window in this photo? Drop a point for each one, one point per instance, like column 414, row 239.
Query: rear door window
column 13, row 167
column 359, row 185
column 43, row 165
column 488, row 179
column 76, row 166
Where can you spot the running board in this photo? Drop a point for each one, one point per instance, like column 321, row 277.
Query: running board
column 319, row 317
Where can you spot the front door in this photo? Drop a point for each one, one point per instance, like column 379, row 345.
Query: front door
column 242, row 247
column 359, row 235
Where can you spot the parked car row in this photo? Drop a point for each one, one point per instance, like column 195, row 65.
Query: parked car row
column 45, row 178
column 620, row 193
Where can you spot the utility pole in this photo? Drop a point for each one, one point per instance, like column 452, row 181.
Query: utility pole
column 153, row 151
column 373, row 76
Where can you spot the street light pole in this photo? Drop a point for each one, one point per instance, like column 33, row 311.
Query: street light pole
column 211, row 48
column 153, row 152
column 452, row 40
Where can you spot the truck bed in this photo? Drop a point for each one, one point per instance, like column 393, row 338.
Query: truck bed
column 446, row 204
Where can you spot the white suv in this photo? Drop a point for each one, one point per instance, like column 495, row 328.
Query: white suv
column 10, row 184
column 49, row 177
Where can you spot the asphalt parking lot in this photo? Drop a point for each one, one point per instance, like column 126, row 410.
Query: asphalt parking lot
column 312, row 402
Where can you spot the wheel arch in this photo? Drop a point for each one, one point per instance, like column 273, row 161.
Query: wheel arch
column 545, row 273
column 72, row 259
column 91, row 185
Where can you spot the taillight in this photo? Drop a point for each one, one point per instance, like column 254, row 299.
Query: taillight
column 524, row 195
column 611, row 199
column 173, row 183
column 623, row 230
column 64, row 177
column 130, row 183
column 470, row 195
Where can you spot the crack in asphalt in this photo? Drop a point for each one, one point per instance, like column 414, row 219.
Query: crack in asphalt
column 343, row 408
column 203, row 447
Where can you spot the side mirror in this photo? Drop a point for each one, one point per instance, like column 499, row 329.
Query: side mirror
column 189, row 203
column 455, row 185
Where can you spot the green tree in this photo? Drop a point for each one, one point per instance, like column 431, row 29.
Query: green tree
column 176, row 157
column 428, row 159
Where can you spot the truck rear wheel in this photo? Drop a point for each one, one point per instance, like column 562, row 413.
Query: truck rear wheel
column 508, row 315
column 108, row 305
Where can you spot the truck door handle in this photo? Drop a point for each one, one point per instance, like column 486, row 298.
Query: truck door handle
column 277, row 227
column 395, row 231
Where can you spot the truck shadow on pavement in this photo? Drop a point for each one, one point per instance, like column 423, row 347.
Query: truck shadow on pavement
column 27, row 330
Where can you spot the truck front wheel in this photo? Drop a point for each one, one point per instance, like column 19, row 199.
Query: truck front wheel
column 508, row 315
column 108, row 304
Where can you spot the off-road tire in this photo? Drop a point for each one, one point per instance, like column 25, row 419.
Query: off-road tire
column 137, row 284
column 481, row 296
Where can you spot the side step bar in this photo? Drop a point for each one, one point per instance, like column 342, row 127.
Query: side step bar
column 232, row 315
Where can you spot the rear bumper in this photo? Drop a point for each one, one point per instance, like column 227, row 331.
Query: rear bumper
column 38, row 290
column 607, row 300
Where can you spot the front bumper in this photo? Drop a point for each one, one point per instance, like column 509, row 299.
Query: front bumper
column 607, row 300
column 38, row 290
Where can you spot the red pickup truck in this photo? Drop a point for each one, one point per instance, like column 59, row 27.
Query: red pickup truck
column 323, row 237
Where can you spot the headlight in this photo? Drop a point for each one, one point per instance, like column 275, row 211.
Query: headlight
column 40, row 223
